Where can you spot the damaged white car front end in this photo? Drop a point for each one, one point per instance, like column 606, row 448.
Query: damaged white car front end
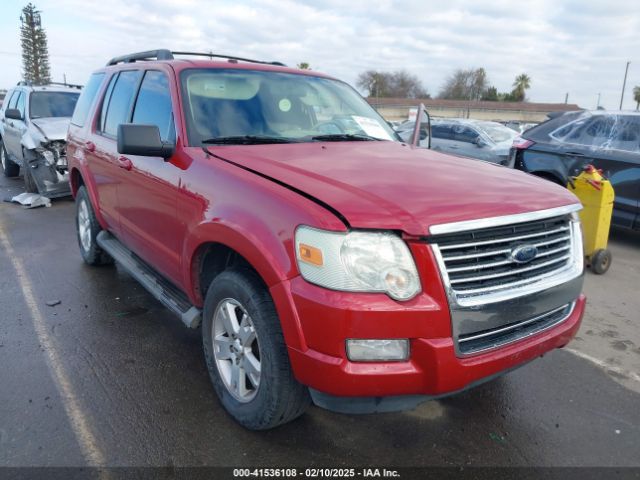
column 47, row 157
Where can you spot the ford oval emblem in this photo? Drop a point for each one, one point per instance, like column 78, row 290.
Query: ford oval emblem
column 523, row 253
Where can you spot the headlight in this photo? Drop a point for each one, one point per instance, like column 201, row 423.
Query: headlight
column 357, row 262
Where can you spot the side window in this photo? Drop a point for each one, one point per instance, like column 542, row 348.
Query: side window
column 464, row 134
column 21, row 102
column 120, row 101
column 105, row 101
column 625, row 134
column 13, row 100
column 153, row 106
column 86, row 99
column 442, row 131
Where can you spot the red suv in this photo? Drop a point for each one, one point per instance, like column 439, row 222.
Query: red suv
column 325, row 259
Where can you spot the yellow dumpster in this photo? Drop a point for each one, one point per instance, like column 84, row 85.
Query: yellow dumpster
column 596, row 194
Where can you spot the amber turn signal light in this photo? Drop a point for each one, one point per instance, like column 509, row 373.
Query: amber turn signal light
column 310, row 254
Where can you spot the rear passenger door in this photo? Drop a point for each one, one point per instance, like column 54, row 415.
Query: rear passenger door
column 147, row 197
column 101, row 149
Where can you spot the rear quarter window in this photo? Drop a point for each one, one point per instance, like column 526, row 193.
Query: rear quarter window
column 87, row 97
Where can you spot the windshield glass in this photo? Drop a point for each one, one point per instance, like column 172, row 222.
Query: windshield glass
column 496, row 132
column 52, row 104
column 230, row 104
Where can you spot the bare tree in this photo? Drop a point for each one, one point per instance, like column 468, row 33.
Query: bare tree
column 35, row 53
column 470, row 84
column 399, row 84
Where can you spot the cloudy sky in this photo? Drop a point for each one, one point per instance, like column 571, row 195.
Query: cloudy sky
column 578, row 47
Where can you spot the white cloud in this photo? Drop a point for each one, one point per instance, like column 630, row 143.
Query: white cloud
column 565, row 46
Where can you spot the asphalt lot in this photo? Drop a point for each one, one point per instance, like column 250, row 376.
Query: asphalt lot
column 109, row 377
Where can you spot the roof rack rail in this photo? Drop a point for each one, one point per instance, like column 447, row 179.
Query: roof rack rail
column 164, row 54
column 212, row 55
column 64, row 84
column 161, row 54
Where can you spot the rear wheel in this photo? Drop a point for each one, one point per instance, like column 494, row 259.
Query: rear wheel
column 9, row 168
column 87, row 227
column 246, row 354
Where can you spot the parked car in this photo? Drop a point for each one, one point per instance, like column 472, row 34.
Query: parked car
column 345, row 268
column 33, row 129
column 519, row 127
column 610, row 140
column 480, row 139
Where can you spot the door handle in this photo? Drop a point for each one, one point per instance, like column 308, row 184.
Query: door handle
column 90, row 146
column 124, row 162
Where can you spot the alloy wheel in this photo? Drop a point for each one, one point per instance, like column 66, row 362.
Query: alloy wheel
column 236, row 350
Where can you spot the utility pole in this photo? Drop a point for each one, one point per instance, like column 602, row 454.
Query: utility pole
column 566, row 98
column 624, row 84
column 598, row 104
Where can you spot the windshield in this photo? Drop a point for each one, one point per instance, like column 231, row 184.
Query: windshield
column 230, row 106
column 496, row 132
column 52, row 104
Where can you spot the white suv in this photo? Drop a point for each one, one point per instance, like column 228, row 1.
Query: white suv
column 33, row 129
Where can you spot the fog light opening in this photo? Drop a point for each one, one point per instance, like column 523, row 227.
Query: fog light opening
column 389, row 350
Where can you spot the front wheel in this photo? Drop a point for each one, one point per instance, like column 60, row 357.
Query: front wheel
column 9, row 169
column 246, row 354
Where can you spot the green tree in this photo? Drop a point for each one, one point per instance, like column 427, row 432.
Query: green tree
column 491, row 94
column 520, row 85
column 304, row 66
column 35, row 53
column 636, row 96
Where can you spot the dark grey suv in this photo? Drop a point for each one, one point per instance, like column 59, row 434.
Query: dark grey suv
column 609, row 140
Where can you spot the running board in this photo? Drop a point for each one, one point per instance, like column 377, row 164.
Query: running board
column 167, row 293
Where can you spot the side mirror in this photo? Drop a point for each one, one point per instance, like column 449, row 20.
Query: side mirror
column 143, row 140
column 13, row 114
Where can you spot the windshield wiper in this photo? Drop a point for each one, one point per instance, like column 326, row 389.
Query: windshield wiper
column 246, row 140
column 341, row 137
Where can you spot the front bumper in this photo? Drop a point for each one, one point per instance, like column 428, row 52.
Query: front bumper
column 316, row 323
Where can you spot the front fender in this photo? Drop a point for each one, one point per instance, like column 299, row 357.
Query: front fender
column 268, row 252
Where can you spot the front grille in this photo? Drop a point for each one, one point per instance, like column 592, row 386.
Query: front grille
column 478, row 262
column 492, row 338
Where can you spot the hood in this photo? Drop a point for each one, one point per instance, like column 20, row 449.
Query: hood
column 54, row 128
column 389, row 185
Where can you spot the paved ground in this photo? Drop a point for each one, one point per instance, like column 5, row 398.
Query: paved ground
column 109, row 377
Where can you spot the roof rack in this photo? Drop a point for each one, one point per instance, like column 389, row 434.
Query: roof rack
column 164, row 54
column 64, row 84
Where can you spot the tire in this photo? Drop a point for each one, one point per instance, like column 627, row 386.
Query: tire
column 271, row 397
column 601, row 261
column 30, row 184
column 9, row 169
column 87, row 228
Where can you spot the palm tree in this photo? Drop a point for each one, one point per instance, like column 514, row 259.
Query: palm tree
column 522, row 83
column 636, row 96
